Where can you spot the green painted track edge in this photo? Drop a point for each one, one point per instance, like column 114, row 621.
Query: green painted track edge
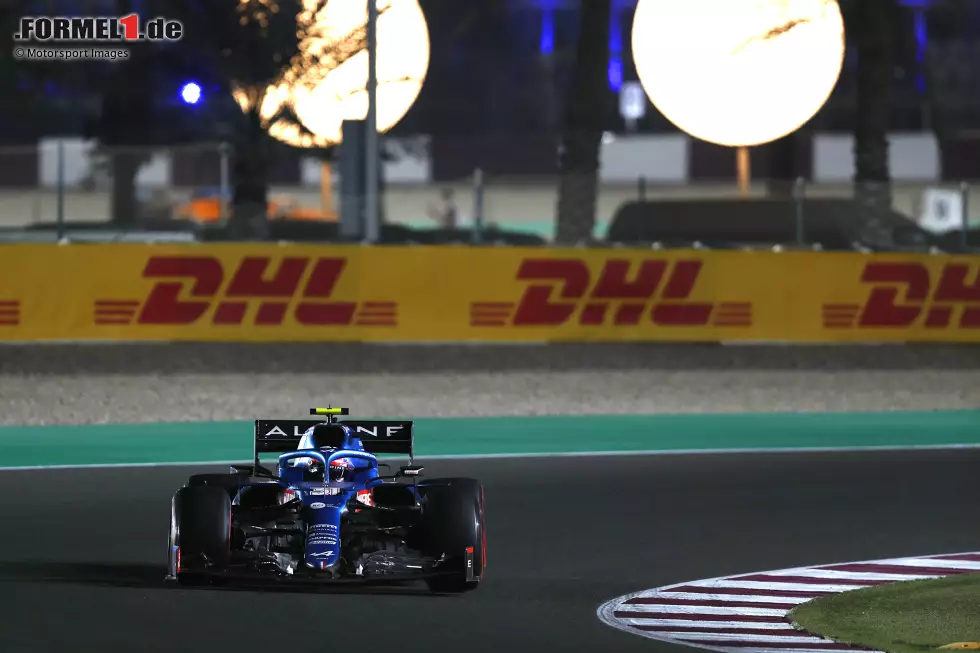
column 79, row 446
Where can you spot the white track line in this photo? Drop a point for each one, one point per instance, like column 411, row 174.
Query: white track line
column 704, row 621
column 934, row 562
column 747, row 598
column 705, row 624
column 857, row 575
column 815, row 649
column 542, row 454
column 706, row 609
column 791, row 587
column 762, row 639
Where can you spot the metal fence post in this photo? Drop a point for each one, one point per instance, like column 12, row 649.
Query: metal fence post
column 478, row 205
column 60, row 218
column 372, row 229
column 965, row 217
column 224, row 182
column 36, row 209
column 799, row 192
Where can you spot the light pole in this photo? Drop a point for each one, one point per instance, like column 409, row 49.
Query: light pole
column 372, row 212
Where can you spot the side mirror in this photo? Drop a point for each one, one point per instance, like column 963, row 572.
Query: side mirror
column 411, row 470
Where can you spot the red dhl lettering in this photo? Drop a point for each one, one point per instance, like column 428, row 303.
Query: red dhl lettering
column 622, row 295
column 9, row 312
column 903, row 294
column 187, row 288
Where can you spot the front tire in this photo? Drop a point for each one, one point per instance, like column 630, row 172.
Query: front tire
column 454, row 525
column 201, row 531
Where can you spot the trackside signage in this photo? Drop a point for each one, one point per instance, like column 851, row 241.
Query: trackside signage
column 656, row 291
column 308, row 293
column 96, row 29
column 255, row 290
column 906, row 294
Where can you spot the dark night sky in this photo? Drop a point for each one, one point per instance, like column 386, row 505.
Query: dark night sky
column 487, row 74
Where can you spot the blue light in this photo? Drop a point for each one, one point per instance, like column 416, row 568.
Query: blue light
column 190, row 93
column 615, row 72
column 615, row 48
column 547, row 44
column 615, row 32
column 921, row 43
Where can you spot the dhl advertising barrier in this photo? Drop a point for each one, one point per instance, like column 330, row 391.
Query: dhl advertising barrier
column 350, row 293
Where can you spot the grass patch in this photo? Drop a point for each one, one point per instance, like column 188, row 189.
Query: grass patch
column 902, row 617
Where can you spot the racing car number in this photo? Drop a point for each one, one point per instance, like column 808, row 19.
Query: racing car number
column 324, row 491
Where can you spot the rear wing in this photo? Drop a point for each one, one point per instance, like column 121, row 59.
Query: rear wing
column 378, row 437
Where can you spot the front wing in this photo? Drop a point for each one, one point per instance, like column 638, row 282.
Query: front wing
column 386, row 569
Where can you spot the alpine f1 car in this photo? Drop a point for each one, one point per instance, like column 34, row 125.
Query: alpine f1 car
column 327, row 513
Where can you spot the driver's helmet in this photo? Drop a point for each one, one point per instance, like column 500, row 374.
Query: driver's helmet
column 327, row 438
column 341, row 469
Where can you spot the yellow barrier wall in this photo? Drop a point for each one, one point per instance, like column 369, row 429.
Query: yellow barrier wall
column 308, row 293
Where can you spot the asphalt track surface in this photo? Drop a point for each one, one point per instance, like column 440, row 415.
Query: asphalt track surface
column 82, row 557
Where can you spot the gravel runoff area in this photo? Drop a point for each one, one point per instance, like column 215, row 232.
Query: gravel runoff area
column 101, row 383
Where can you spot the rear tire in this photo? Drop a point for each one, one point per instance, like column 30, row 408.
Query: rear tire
column 202, row 530
column 453, row 521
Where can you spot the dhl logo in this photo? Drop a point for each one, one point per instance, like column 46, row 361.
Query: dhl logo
column 190, row 287
column 904, row 293
column 9, row 312
column 653, row 291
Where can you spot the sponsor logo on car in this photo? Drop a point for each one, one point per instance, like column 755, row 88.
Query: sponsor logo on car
column 317, row 505
column 278, row 431
column 321, row 554
column 324, row 491
column 378, row 432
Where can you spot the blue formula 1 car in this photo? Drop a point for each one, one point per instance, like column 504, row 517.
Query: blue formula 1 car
column 328, row 514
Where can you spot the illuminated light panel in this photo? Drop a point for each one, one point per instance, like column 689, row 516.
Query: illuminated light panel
column 322, row 99
column 738, row 72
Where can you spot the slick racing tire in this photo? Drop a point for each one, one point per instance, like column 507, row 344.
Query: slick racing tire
column 201, row 530
column 453, row 522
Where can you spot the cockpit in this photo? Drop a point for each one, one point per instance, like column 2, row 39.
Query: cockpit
column 327, row 438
